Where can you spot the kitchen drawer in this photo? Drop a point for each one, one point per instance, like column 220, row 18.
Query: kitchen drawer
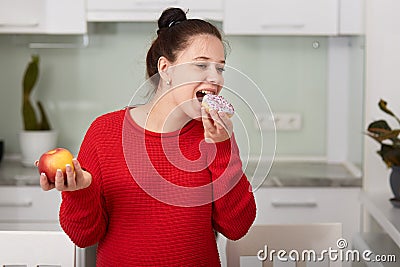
column 28, row 204
column 310, row 205
column 33, row 226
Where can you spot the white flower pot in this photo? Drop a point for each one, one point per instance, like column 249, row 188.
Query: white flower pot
column 34, row 143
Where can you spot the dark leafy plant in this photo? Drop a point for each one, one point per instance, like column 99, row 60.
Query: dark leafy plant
column 30, row 119
column 387, row 137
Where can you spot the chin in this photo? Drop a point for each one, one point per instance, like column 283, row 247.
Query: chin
column 194, row 110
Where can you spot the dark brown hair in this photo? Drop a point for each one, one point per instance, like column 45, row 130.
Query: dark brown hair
column 174, row 33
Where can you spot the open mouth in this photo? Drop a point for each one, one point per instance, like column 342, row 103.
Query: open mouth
column 200, row 94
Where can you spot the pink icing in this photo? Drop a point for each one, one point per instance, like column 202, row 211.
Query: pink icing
column 218, row 103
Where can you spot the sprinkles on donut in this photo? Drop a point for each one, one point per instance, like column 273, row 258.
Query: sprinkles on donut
column 218, row 103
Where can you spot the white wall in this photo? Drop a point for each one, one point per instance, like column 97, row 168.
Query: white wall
column 382, row 81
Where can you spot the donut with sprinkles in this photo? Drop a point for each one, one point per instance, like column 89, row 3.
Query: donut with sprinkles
column 218, row 103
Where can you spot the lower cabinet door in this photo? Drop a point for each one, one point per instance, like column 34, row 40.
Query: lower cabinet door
column 306, row 205
column 310, row 205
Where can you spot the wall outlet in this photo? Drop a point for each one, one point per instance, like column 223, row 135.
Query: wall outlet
column 281, row 121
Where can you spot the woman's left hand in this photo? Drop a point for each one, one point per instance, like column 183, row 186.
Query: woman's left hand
column 218, row 126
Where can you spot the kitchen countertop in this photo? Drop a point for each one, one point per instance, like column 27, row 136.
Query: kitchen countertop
column 281, row 174
column 13, row 173
column 305, row 174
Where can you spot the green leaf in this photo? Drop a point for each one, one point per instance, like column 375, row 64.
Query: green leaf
column 29, row 116
column 31, row 75
column 390, row 155
column 44, row 125
column 378, row 126
column 383, row 106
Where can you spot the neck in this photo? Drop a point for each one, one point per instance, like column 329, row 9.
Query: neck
column 163, row 115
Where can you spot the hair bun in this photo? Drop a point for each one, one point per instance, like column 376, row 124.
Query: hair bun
column 170, row 17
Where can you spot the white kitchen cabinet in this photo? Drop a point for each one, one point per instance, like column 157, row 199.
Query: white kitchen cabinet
column 351, row 17
column 29, row 208
column 310, row 205
column 291, row 205
column 283, row 17
column 150, row 10
column 43, row 17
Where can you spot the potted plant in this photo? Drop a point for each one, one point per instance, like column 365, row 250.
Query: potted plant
column 37, row 136
column 389, row 141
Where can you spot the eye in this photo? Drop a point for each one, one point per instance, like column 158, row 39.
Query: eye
column 201, row 65
column 220, row 69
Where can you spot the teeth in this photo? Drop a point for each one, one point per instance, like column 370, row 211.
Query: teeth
column 207, row 92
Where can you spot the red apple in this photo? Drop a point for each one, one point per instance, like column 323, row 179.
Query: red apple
column 55, row 159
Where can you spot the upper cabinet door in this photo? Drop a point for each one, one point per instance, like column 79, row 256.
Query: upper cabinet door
column 281, row 17
column 150, row 10
column 42, row 16
column 352, row 17
column 21, row 16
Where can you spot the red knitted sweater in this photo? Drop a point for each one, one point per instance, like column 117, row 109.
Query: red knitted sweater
column 143, row 227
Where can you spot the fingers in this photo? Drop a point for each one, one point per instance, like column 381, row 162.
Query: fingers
column 207, row 122
column 76, row 178
column 44, row 183
column 71, row 181
column 59, row 181
column 226, row 120
column 77, row 166
column 217, row 126
column 82, row 177
column 211, row 120
column 218, row 122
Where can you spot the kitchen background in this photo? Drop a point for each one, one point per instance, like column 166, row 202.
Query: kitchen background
column 317, row 77
column 328, row 72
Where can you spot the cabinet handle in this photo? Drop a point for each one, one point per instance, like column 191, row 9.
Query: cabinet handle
column 27, row 203
column 155, row 2
column 291, row 26
column 294, row 204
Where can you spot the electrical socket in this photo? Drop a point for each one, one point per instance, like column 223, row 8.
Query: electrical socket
column 283, row 121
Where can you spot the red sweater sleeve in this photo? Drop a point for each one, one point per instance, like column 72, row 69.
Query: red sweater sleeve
column 234, row 209
column 82, row 213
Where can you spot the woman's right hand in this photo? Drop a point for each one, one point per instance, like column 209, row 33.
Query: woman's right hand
column 76, row 180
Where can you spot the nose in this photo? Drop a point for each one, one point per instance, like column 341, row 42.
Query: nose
column 214, row 76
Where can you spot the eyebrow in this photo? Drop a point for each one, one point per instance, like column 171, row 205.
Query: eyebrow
column 207, row 58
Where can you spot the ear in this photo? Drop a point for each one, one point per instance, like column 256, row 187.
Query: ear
column 162, row 66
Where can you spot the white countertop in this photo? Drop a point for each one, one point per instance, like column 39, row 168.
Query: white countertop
column 13, row 173
column 378, row 205
column 306, row 174
column 282, row 174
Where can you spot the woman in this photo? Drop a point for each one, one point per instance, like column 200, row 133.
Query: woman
column 114, row 196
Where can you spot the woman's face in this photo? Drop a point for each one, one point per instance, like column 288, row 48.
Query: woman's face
column 198, row 70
